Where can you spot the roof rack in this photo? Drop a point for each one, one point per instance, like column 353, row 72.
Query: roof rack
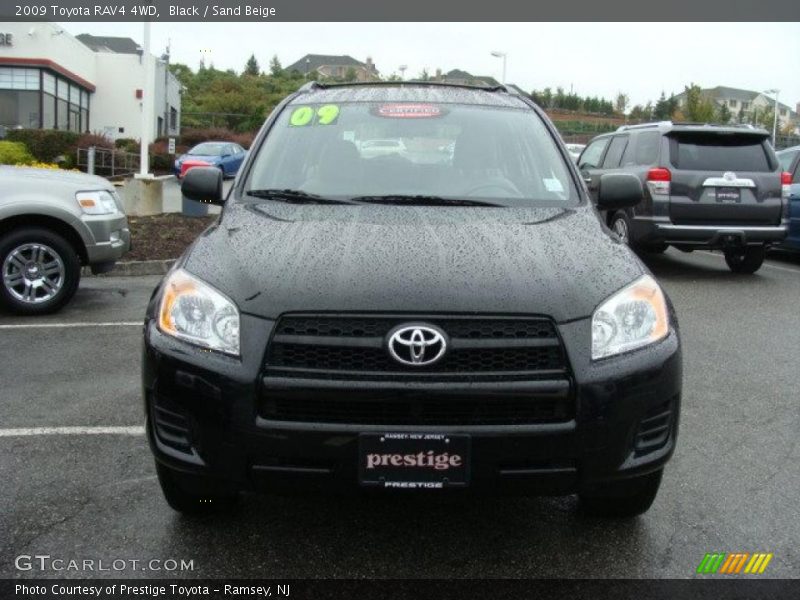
column 689, row 123
column 314, row 85
column 644, row 125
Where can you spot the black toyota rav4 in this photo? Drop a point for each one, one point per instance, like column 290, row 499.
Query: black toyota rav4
column 447, row 314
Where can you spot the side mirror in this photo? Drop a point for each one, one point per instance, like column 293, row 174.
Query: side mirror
column 203, row 184
column 619, row 190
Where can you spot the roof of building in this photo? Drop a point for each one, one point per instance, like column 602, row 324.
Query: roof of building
column 722, row 92
column 117, row 45
column 312, row 62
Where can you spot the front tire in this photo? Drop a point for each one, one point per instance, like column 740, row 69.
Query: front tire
column 40, row 271
column 622, row 499
column 746, row 261
column 191, row 501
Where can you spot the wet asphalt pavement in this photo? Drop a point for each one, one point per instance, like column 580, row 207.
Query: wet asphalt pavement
column 732, row 486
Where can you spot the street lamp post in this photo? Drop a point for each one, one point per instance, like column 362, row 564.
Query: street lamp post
column 775, row 115
column 503, row 55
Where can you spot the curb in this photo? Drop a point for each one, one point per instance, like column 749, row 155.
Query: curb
column 134, row 268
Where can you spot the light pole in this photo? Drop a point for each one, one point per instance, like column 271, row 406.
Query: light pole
column 503, row 55
column 775, row 116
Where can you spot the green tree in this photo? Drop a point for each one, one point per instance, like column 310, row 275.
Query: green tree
column 621, row 102
column 350, row 74
column 251, row 67
column 723, row 113
column 275, row 67
column 697, row 107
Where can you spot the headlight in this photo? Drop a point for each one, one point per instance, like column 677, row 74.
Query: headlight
column 193, row 311
column 96, row 203
column 634, row 317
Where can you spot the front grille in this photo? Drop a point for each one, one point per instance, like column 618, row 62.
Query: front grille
column 417, row 410
column 337, row 369
column 355, row 347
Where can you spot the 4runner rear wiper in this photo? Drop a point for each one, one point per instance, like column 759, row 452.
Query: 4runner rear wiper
column 293, row 196
column 421, row 200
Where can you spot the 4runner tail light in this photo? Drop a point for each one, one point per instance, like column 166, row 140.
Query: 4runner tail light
column 658, row 180
column 786, row 184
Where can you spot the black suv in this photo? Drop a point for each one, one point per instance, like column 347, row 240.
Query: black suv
column 448, row 313
column 705, row 186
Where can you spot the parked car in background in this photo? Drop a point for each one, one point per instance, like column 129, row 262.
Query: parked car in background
column 403, row 326
column 575, row 150
column 226, row 156
column 790, row 163
column 706, row 186
column 51, row 223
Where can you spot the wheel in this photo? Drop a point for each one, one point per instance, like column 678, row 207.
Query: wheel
column 41, row 271
column 622, row 499
column 191, row 502
column 621, row 225
column 747, row 260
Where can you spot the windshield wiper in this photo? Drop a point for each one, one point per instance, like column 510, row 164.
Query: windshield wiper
column 293, row 197
column 421, row 200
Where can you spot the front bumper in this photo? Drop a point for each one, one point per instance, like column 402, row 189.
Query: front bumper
column 223, row 441
column 111, row 238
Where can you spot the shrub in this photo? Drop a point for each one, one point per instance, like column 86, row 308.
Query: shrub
column 127, row 144
column 46, row 144
column 15, row 153
column 94, row 139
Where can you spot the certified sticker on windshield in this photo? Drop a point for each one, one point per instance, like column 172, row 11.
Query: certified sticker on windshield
column 407, row 110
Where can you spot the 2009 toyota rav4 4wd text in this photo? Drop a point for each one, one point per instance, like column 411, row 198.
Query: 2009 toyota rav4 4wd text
column 450, row 316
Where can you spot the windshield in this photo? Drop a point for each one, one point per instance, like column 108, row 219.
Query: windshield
column 207, row 149
column 385, row 150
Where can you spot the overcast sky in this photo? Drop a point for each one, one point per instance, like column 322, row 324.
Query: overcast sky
column 591, row 58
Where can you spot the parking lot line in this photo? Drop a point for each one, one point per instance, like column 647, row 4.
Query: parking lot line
column 99, row 430
column 69, row 325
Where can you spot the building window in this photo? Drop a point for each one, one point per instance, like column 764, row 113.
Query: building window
column 732, row 103
column 745, row 106
column 48, row 111
column 173, row 118
column 19, row 109
column 34, row 98
column 783, row 112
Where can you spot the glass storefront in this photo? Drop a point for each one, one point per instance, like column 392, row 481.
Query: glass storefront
column 37, row 98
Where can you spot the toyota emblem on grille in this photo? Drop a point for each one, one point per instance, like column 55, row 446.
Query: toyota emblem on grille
column 417, row 345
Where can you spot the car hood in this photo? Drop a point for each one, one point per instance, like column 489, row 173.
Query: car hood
column 74, row 179
column 272, row 258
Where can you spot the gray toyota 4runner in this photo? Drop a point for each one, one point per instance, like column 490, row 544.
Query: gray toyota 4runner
column 51, row 223
column 705, row 186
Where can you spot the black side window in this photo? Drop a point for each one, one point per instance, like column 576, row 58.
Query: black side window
column 590, row 159
column 647, row 148
column 615, row 150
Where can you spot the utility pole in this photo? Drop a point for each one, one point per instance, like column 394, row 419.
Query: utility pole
column 148, row 105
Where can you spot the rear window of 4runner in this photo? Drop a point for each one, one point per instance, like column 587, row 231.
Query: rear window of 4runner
column 347, row 150
column 719, row 152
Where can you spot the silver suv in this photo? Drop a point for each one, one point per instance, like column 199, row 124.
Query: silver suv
column 51, row 223
column 705, row 186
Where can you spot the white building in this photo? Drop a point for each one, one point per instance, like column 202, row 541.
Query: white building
column 52, row 80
